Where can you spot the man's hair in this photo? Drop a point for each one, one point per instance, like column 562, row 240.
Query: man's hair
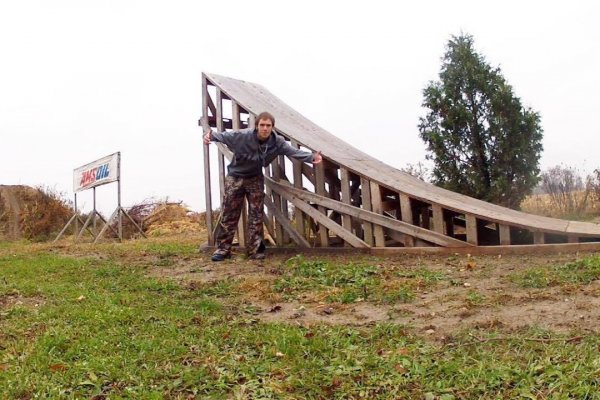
column 264, row 115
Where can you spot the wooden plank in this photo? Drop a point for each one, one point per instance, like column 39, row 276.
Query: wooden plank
column 376, row 206
column 320, row 218
column 368, row 216
column 504, row 234
column 407, row 216
column 471, row 229
column 206, row 157
column 365, row 194
column 438, row 218
column 538, row 237
column 283, row 206
column 297, row 172
column 425, row 217
column 346, row 197
column 573, row 239
column 276, row 174
column 286, row 224
column 320, row 189
column 220, row 157
column 490, row 250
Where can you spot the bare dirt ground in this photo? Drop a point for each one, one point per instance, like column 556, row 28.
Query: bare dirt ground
column 476, row 292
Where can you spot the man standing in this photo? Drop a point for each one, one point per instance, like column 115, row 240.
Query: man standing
column 252, row 150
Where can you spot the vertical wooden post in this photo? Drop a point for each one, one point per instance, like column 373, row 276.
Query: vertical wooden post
column 276, row 174
column 320, row 189
column 283, row 206
column 407, row 216
column 573, row 239
column 538, row 237
column 298, row 215
column 243, row 222
column 504, row 234
column 206, row 154
column 345, row 182
column 471, row 229
column 438, row 218
column 220, row 156
column 425, row 217
column 377, row 208
column 365, row 192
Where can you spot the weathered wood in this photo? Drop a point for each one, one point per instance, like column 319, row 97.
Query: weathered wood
column 291, row 124
column 438, row 218
column 206, row 157
column 504, row 234
column 276, row 174
column 376, row 206
column 320, row 189
column 286, row 224
column 472, row 237
column 297, row 172
column 407, row 216
column 367, row 216
column 220, row 157
column 573, row 238
column 346, row 198
column 538, row 237
column 490, row 250
column 318, row 216
column 425, row 217
column 365, row 195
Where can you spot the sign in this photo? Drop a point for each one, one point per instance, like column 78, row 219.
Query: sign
column 96, row 173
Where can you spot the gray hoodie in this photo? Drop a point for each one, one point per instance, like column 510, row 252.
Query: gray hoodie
column 250, row 155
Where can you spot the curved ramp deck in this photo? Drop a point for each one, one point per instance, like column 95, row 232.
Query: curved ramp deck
column 353, row 199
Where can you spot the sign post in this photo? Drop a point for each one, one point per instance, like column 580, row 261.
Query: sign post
column 100, row 172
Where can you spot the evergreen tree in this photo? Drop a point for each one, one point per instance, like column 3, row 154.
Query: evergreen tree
column 483, row 142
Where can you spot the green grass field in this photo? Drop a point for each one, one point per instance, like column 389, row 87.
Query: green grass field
column 84, row 322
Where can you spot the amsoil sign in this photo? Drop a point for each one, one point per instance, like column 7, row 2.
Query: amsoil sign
column 99, row 172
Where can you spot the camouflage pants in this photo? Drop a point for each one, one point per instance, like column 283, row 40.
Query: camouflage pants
column 236, row 189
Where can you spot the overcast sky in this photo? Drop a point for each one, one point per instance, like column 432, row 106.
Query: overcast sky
column 83, row 79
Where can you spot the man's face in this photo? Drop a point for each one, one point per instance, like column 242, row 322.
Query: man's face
column 265, row 127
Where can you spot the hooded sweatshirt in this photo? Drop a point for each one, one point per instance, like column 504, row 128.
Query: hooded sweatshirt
column 250, row 155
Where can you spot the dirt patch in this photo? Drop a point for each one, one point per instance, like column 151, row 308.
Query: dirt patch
column 475, row 293
column 11, row 300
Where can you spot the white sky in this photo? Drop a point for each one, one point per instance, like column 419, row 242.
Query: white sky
column 82, row 79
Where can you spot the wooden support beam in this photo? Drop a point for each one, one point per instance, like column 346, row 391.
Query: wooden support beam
column 365, row 194
column 425, row 217
column 321, row 219
column 471, row 229
column 438, row 218
column 220, row 156
column 303, row 197
column 376, row 205
column 504, row 233
column 297, row 171
column 406, row 211
column 320, row 189
column 538, row 237
column 276, row 174
column 346, row 199
column 286, row 224
column 206, row 156
column 573, row 238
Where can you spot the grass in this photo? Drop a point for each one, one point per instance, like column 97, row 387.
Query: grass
column 76, row 327
column 582, row 271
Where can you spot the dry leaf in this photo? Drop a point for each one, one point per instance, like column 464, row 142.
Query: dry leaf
column 3, row 367
column 275, row 309
column 58, row 367
column 80, row 298
column 279, row 354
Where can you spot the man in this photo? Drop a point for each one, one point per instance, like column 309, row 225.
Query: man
column 252, row 150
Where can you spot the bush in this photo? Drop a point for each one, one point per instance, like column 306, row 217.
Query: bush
column 44, row 213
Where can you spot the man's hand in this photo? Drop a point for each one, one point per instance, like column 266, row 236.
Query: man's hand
column 207, row 136
column 317, row 158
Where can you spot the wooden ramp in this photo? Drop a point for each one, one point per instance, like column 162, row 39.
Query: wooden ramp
column 352, row 199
